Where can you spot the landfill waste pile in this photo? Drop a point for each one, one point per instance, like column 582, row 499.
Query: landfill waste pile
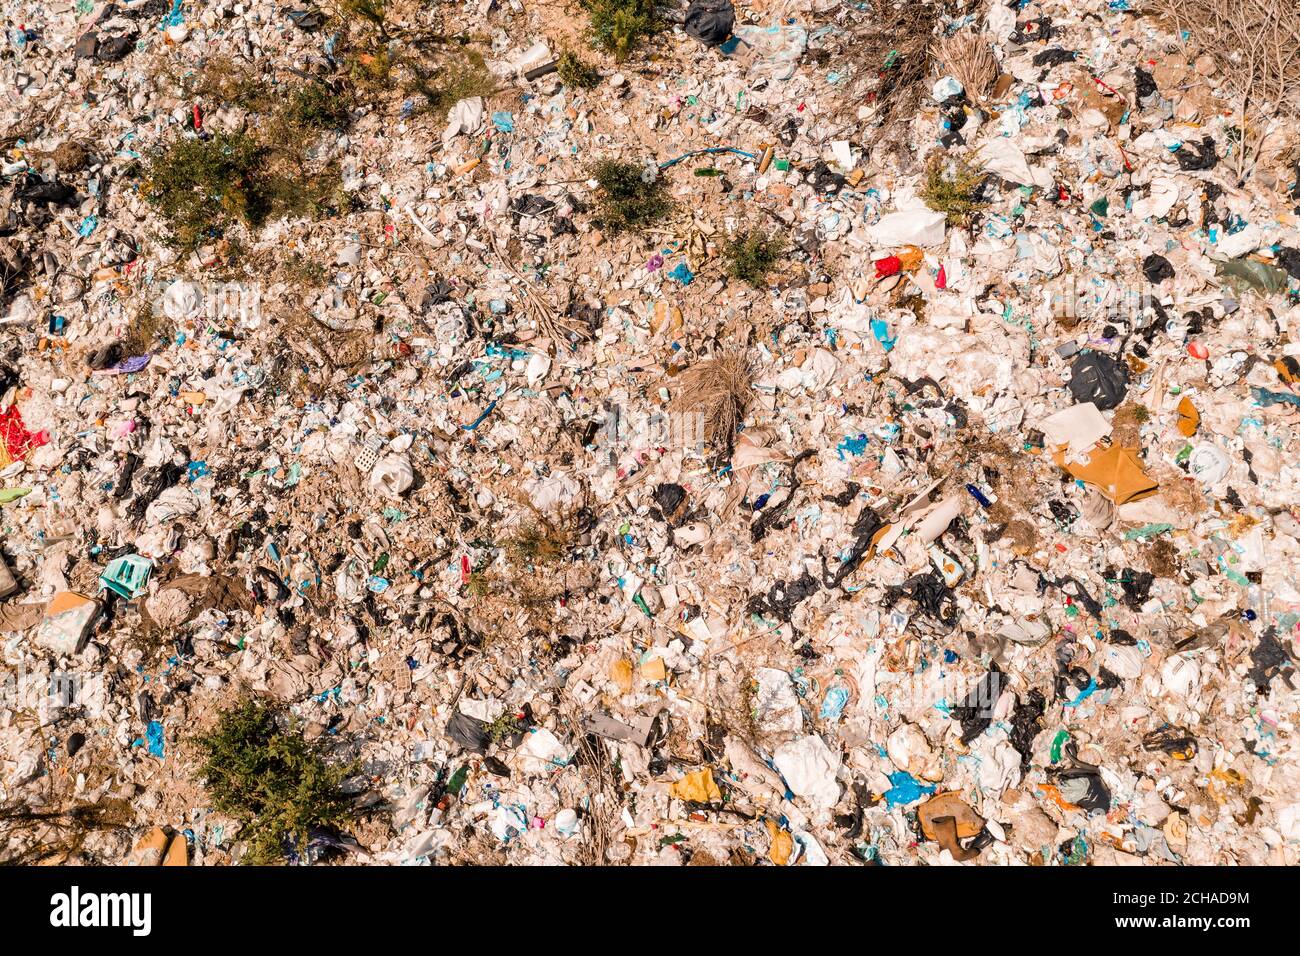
column 607, row 432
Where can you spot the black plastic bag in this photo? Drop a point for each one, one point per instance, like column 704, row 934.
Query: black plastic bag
column 669, row 497
column 1146, row 84
column 1289, row 259
column 470, row 732
column 824, row 179
column 1137, row 586
column 115, row 48
column 1026, row 723
column 35, row 189
column 1099, row 379
column 1081, row 784
column 1157, row 268
column 710, row 21
column 105, row 357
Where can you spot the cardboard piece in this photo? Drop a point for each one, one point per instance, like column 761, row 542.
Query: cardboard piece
column 1114, row 470
column 8, row 584
column 603, row 725
column 66, row 623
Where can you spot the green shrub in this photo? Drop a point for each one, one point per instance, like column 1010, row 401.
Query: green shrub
column 629, row 197
column 479, row 584
column 318, row 107
column 619, row 26
column 202, row 186
column 505, row 727
column 304, row 272
column 369, row 11
column 574, row 72
column 952, row 194
column 752, row 254
column 457, row 75
column 442, row 79
column 259, row 769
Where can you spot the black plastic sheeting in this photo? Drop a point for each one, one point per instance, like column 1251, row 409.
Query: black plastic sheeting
column 1192, row 157
column 150, row 483
column 772, row 517
column 845, row 497
column 1268, row 659
column 1026, row 723
column 1136, row 586
column 1077, row 591
column 1054, row 57
column 782, row 598
column 975, row 712
column 931, row 595
column 1039, row 31
column 864, row 529
column 1171, row 740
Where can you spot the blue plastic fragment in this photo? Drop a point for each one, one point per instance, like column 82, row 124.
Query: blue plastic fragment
column 906, row 789
column 154, row 738
column 880, row 329
column 836, row 699
column 853, row 445
column 479, row 421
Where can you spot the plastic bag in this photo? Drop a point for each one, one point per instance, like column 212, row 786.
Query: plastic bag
column 710, row 21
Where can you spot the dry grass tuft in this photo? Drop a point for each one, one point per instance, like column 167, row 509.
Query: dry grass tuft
column 718, row 390
column 146, row 332
column 968, row 57
column 540, row 542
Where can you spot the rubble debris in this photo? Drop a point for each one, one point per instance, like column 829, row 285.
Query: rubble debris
column 648, row 433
